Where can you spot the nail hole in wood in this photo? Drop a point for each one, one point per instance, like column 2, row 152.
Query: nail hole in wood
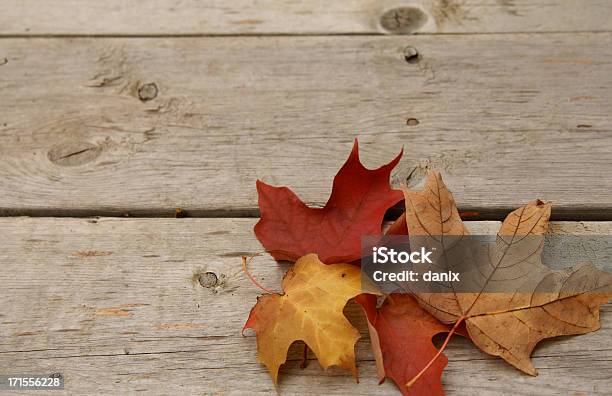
column 412, row 122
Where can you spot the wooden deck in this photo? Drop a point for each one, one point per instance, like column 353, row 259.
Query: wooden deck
column 112, row 109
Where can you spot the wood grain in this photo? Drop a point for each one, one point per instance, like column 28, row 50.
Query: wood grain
column 116, row 306
column 142, row 126
column 219, row 17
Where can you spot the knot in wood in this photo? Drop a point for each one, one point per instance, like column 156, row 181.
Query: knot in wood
column 208, row 279
column 147, row 92
column 74, row 153
column 411, row 54
column 403, row 20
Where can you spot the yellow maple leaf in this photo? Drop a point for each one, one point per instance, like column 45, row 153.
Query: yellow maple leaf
column 311, row 310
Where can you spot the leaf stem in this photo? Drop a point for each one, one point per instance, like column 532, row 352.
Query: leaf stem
column 448, row 337
column 251, row 277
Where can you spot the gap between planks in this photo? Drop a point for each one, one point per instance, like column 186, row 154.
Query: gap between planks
column 474, row 214
column 289, row 35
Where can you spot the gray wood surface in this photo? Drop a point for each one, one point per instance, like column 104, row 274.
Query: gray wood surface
column 142, row 126
column 210, row 17
column 509, row 99
column 115, row 305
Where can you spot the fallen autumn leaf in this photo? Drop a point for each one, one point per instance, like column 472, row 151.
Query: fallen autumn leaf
column 289, row 229
column 309, row 310
column 509, row 324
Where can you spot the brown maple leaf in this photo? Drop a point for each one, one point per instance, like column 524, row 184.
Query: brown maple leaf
column 508, row 324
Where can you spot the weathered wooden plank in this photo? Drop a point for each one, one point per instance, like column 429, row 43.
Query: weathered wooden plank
column 108, row 126
column 115, row 305
column 166, row 17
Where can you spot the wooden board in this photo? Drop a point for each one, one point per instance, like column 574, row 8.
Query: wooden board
column 115, row 305
column 219, row 17
column 142, row 126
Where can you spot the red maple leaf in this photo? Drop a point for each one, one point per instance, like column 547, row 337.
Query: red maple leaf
column 401, row 333
column 289, row 229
